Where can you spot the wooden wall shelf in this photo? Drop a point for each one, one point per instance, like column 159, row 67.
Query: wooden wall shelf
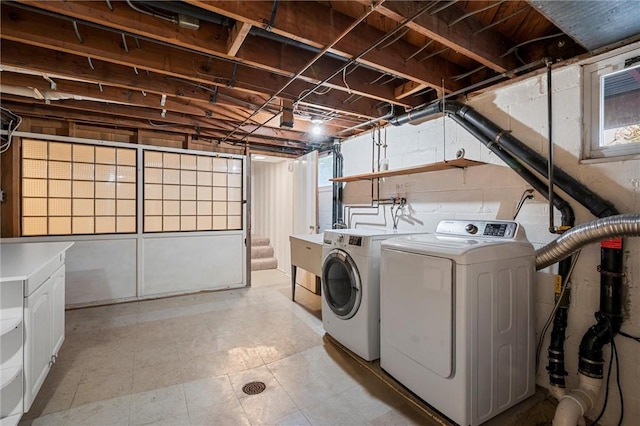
column 459, row 163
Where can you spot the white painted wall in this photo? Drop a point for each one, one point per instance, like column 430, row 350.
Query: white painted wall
column 107, row 269
column 272, row 206
column 492, row 191
column 325, row 210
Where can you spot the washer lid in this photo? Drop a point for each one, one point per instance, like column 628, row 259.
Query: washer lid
column 461, row 249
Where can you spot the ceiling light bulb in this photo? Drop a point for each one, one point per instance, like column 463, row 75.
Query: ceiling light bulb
column 316, row 130
column 316, row 120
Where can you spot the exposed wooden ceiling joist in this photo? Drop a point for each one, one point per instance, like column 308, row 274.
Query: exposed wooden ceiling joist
column 212, row 64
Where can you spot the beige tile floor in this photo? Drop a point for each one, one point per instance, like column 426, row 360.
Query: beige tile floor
column 183, row 360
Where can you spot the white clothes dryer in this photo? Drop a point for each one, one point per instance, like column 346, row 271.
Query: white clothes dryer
column 351, row 288
column 457, row 322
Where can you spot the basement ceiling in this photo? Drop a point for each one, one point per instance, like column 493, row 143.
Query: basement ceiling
column 263, row 73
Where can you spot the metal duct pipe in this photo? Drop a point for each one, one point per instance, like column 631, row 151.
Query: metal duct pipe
column 624, row 225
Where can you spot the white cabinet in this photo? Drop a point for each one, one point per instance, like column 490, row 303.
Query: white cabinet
column 44, row 332
column 11, row 352
column 37, row 311
column 57, row 311
column 32, row 299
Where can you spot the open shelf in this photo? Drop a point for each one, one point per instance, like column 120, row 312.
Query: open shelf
column 11, row 420
column 8, row 375
column 459, row 163
column 9, row 324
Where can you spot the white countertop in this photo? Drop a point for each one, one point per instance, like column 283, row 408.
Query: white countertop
column 311, row 238
column 19, row 261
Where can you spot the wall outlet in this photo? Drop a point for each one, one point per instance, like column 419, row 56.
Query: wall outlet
column 1, row 196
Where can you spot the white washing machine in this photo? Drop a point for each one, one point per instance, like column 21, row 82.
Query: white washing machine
column 457, row 322
column 351, row 288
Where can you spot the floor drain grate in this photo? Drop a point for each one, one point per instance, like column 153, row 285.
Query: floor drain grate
column 254, row 388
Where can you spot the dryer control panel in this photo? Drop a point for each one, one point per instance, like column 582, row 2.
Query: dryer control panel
column 489, row 229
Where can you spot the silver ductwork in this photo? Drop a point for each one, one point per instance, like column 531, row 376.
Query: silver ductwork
column 624, row 225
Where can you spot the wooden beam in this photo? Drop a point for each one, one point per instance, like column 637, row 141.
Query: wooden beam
column 120, row 122
column 319, row 25
column 408, row 89
column 257, row 52
column 486, row 47
column 131, row 97
column 109, row 94
column 10, row 182
column 154, row 115
column 238, row 33
column 71, row 66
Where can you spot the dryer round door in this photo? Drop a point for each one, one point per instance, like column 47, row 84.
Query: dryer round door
column 341, row 285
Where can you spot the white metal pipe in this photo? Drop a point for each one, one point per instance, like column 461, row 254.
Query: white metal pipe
column 574, row 405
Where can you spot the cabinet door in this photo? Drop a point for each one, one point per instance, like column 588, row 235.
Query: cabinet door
column 38, row 340
column 57, row 310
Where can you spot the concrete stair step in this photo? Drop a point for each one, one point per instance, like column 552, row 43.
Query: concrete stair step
column 257, row 240
column 262, row 264
column 261, row 252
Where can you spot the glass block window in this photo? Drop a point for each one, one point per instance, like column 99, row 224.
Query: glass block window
column 77, row 189
column 185, row 192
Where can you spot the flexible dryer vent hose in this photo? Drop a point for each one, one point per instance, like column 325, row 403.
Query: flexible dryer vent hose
column 624, row 225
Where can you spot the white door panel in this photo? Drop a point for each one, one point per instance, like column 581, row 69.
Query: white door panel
column 420, row 289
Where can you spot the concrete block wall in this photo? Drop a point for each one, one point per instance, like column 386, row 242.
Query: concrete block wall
column 492, row 191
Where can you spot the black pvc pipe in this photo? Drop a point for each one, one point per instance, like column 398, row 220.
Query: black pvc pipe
column 555, row 351
column 491, row 131
column 611, row 286
column 564, row 207
column 590, row 200
column 337, row 186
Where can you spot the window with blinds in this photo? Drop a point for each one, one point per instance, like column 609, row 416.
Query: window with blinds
column 71, row 188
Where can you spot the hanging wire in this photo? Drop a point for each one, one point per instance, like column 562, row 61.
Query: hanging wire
column 379, row 78
column 155, row 15
column 124, row 43
column 389, row 80
column 91, row 64
column 423, row 91
column 418, row 51
column 522, row 9
column 75, row 28
column 352, row 99
column 344, row 79
column 10, row 131
column 393, row 40
column 526, row 195
column 434, row 54
column 529, row 42
column 353, row 68
column 467, row 74
column 443, row 7
column 475, row 12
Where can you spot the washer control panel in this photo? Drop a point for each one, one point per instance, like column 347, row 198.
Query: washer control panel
column 355, row 240
column 491, row 229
